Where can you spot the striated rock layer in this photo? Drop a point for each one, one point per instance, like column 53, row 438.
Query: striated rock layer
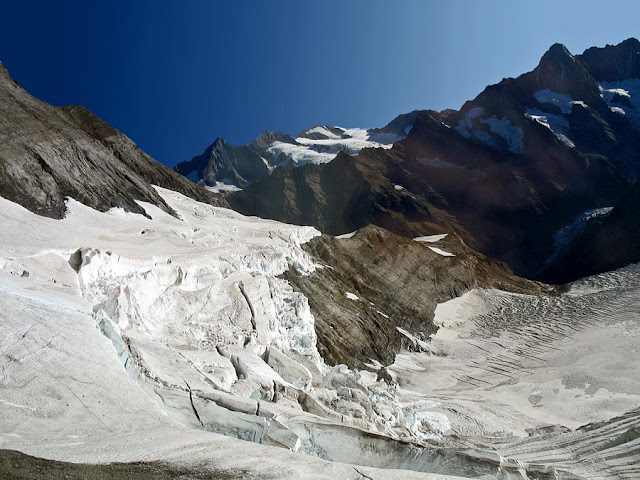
column 48, row 153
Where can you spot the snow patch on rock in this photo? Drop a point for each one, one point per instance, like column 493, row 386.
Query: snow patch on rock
column 347, row 235
column 560, row 100
column 629, row 90
column 465, row 126
column 562, row 238
column 512, row 135
column 558, row 124
column 431, row 238
column 439, row 251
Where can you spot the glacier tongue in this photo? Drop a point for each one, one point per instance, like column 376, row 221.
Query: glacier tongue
column 198, row 315
column 216, row 321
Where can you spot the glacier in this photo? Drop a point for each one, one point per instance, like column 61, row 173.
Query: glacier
column 133, row 338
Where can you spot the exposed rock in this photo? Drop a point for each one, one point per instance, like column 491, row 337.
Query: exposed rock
column 395, row 284
column 346, row 194
column 239, row 165
column 49, row 153
column 613, row 62
column 607, row 242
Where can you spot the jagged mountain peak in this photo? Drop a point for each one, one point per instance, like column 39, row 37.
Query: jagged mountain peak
column 563, row 73
column 267, row 138
column 219, row 142
column 558, row 50
column 631, row 42
column 4, row 73
column 50, row 153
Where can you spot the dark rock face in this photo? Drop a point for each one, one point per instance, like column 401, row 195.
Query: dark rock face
column 346, row 194
column 613, row 62
column 561, row 72
column 49, row 153
column 398, row 282
column 400, row 126
column 506, row 172
column 607, row 242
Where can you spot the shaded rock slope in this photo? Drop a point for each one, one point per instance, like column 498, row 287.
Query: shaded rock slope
column 605, row 242
column 48, row 153
column 506, row 172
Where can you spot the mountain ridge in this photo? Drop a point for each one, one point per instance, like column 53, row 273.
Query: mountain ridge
column 507, row 171
column 49, row 153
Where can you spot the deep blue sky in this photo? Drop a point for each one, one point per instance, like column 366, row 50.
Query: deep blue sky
column 174, row 76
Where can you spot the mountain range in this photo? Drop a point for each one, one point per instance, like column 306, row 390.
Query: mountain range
column 515, row 166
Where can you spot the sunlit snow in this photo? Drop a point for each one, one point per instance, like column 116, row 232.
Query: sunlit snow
column 347, row 235
column 439, row 251
column 558, row 124
column 431, row 238
column 323, row 150
column 628, row 89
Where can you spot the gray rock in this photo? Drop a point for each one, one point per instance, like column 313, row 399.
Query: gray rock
column 48, row 153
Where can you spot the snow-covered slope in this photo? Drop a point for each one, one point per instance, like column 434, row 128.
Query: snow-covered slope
column 127, row 338
column 115, row 324
column 331, row 140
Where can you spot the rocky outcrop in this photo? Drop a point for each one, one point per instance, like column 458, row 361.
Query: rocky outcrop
column 613, row 62
column 49, row 153
column 346, row 194
column 378, row 291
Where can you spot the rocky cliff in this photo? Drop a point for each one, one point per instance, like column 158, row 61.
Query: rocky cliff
column 49, row 153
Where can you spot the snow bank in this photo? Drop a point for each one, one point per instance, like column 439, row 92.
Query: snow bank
column 431, row 238
column 439, row 251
